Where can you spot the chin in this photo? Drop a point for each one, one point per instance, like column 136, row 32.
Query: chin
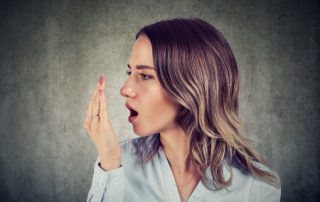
column 143, row 133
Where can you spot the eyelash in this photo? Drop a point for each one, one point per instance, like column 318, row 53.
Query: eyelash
column 129, row 73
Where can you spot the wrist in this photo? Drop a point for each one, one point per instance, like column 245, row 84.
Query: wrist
column 109, row 156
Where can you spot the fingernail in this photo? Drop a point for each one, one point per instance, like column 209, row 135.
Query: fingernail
column 101, row 80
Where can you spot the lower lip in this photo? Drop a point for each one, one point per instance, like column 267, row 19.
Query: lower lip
column 131, row 119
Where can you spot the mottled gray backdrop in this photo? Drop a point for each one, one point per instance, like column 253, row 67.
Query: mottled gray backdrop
column 52, row 54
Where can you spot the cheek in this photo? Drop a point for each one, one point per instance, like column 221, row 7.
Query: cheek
column 158, row 111
column 158, row 108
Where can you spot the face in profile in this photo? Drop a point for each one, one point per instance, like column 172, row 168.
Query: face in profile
column 155, row 111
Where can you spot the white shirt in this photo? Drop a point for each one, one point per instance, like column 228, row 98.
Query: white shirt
column 155, row 182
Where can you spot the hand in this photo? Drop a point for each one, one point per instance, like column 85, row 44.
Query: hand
column 100, row 130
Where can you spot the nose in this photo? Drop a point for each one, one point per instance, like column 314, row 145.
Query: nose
column 127, row 91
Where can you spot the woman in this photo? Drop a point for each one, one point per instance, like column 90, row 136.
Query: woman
column 183, row 95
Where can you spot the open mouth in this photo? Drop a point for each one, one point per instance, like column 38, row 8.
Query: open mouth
column 133, row 112
column 133, row 115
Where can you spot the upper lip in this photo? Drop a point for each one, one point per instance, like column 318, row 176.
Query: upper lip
column 130, row 107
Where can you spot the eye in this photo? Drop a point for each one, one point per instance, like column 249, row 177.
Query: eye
column 144, row 76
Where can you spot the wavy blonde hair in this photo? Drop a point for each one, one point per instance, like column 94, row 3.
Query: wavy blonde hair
column 196, row 66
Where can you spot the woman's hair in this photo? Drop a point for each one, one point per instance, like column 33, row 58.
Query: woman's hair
column 196, row 67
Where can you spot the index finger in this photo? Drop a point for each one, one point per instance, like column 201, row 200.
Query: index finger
column 103, row 83
column 93, row 95
column 103, row 110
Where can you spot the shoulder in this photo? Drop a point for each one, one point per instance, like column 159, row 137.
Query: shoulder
column 125, row 144
column 257, row 189
column 128, row 144
column 145, row 143
column 263, row 191
column 127, row 147
column 130, row 147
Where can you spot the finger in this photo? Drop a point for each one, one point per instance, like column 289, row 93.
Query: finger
column 90, row 109
column 103, row 110
column 92, row 96
column 101, row 90
column 94, row 125
column 89, row 115
column 88, row 118
column 103, row 84
column 100, row 86
column 95, row 109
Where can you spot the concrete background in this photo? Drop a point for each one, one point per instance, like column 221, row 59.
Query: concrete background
column 52, row 54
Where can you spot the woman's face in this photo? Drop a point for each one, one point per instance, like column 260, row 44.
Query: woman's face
column 156, row 110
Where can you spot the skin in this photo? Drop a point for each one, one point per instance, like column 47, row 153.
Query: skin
column 157, row 112
column 100, row 130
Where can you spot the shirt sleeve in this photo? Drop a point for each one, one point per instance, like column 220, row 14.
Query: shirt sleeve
column 106, row 185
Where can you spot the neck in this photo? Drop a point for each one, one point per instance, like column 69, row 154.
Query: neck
column 174, row 144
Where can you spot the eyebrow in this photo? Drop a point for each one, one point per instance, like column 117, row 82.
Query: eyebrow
column 142, row 67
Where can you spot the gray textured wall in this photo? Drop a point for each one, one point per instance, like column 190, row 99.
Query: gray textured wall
column 52, row 54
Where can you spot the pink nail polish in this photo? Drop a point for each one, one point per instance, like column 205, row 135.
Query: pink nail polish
column 101, row 80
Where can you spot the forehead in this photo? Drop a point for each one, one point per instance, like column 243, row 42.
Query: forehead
column 141, row 53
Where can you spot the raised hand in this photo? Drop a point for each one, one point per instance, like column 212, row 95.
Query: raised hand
column 99, row 128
